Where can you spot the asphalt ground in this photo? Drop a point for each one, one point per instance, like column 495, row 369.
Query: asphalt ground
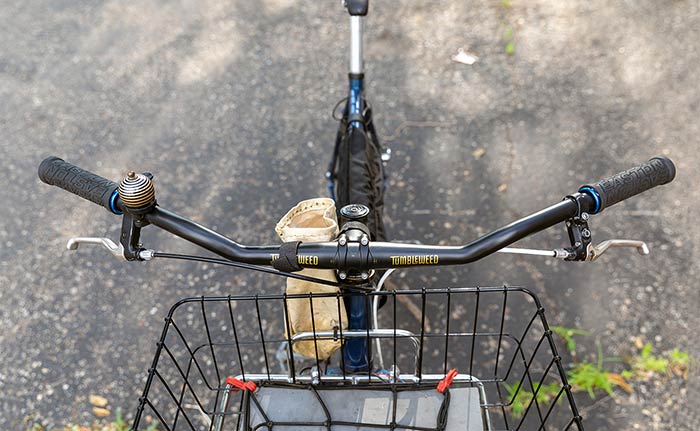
column 228, row 104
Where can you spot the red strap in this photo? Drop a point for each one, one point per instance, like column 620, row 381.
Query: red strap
column 240, row 384
column 447, row 381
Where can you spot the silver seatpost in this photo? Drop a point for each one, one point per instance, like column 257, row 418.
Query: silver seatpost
column 356, row 59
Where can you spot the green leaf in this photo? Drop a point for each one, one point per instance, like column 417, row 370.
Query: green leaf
column 520, row 399
column 567, row 334
column 676, row 357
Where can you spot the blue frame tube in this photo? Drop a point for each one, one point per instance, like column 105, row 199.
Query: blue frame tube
column 357, row 354
column 355, row 99
column 357, row 350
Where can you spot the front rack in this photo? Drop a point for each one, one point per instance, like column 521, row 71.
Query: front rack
column 497, row 338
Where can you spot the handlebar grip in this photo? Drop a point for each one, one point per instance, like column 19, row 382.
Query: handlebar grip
column 657, row 171
column 56, row 172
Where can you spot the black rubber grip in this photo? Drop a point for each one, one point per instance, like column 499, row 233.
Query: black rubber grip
column 657, row 171
column 56, row 172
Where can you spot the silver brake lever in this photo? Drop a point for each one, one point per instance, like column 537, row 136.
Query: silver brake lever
column 594, row 252
column 116, row 250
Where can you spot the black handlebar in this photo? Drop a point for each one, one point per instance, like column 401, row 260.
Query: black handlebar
column 56, row 172
column 657, row 171
column 376, row 255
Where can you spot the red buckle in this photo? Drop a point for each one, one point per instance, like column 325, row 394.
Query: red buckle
column 240, row 384
column 447, row 381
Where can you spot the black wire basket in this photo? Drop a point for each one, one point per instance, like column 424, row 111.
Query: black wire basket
column 227, row 363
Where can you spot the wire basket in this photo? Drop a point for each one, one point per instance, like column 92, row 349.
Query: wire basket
column 226, row 363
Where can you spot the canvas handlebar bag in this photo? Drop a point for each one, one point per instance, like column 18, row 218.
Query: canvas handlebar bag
column 312, row 220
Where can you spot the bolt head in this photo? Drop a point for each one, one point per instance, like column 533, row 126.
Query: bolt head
column 365, row 276
column 364, row 240
column 342, row 275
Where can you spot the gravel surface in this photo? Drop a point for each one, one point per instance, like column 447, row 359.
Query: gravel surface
column 228, row 104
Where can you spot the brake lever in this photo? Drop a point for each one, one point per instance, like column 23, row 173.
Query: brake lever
column 116, row 250
column 594, row 252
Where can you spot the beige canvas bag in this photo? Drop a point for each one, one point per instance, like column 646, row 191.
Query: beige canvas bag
column 312, row 220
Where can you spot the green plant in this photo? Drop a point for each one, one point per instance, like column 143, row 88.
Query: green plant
column 679, row 363
column 567, row 334
column 650, row 363
column 119, row 424
column 591, row 377
column 508, row 36
column 646, row 364
column 521, row 399
column 676, row 357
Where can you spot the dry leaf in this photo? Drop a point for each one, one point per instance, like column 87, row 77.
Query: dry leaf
column 502, row 188
column 97, row 400
column 478, row 153
column 638, row 343
column 100, row 412
column 617, row 379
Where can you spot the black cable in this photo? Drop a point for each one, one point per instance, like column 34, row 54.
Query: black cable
column 444, row 410
column 244, row 266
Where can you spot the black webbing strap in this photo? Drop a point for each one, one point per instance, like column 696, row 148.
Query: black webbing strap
column 287, row 262
column 356, row 117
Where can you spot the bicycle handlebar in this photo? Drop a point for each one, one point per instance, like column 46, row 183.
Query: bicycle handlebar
column 375, row 255
column 657, row 171
column 96, row 189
